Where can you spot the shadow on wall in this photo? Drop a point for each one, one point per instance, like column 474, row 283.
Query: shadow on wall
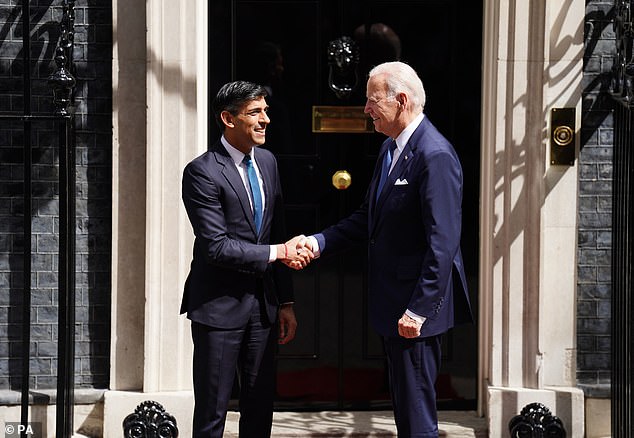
column 596, row 100
column 93, row 145
column 45, row 192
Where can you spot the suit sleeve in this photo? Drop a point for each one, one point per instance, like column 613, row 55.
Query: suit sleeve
column 201, row 197
column 441, row 199
column 346, row 233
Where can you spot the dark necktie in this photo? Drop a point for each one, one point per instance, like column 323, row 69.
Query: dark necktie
column 385, row 170
column 256, row 196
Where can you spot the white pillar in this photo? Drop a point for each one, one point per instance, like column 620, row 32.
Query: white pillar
column 174, row 137
column 532, row 62
column 128, row 195
column 160, row 124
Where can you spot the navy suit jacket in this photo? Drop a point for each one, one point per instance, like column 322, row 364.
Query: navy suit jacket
column 413, row 236
column 230, row 261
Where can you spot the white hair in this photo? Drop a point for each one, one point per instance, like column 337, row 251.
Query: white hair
column 401, row 78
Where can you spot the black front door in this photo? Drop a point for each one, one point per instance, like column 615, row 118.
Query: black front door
column 336, row 360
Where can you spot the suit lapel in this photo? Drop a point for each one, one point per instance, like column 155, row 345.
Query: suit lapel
column 234, row 179
column 398, row 172
column 399, row 169
column 374, row 185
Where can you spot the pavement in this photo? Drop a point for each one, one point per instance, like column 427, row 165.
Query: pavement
column 333, row 424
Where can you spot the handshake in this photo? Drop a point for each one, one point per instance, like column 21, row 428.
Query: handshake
column 297, row 253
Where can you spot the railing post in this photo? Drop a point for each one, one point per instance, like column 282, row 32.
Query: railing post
column 26, row 270
column 622, row 90
column 63, row 83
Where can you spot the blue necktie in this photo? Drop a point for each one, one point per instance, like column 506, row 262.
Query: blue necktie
column 385, row 170
column 256, row 196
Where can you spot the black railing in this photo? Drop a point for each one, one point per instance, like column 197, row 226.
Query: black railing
column 622, row 247
column 622, row 86
column 62, row 83
column 622, row 90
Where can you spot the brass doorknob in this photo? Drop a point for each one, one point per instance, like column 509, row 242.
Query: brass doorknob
column 341, row 180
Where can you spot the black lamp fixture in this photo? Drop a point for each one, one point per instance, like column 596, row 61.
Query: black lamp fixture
column 622, row 84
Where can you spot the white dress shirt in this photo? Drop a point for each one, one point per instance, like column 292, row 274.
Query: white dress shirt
column 404, row 137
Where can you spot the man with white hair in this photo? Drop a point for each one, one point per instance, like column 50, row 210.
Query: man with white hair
column 411, row 221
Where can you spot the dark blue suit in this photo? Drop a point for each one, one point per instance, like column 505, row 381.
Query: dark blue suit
column 413, row 236
column 232, row 293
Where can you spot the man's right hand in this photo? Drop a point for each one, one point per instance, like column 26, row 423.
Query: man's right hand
column 296, row 253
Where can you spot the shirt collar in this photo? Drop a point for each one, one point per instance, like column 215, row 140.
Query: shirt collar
column 235, row 154
column 406, row 133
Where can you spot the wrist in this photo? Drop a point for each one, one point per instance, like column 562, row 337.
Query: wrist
column 282, row 252
column 414, row 317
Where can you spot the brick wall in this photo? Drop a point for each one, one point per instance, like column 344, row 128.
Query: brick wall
column 93, row 54
column 595, row 203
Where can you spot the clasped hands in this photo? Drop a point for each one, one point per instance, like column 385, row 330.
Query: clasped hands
column 297, row 253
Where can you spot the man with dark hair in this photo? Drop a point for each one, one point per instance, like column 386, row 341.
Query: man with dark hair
column 235, row 293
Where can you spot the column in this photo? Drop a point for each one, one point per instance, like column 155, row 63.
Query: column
column 160, row 124
column 532, row 62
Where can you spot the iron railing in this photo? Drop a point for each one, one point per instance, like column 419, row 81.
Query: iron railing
column 622, row 302
column 622, row 90
column 62, row 83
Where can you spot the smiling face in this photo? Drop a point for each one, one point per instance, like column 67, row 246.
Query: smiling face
column 247, row 128
column 382, row 108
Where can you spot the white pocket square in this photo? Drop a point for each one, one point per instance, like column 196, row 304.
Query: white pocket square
column 401, row 182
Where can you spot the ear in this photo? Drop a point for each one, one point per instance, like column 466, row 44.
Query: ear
column 402, row 100
column 227, row 119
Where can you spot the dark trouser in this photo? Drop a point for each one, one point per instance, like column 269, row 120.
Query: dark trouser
column 413, row 367
column 217, row 355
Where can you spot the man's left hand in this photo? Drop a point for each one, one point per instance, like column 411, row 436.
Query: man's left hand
column 288, row 324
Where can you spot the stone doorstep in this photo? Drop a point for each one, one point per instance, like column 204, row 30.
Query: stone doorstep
column 332, row 424
column 49, row 396
column 324, row 424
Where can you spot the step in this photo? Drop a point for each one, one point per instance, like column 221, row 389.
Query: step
column 333, row 424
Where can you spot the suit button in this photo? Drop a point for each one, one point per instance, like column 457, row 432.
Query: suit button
column 371, row 241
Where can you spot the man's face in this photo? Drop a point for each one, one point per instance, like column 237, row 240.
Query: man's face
column 382, row 109
column 247, row 128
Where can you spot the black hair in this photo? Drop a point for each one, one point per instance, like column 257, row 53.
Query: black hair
column 233, row 96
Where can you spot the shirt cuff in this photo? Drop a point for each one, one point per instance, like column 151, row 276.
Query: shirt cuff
column 315, row 245
column 420, row 319
column 272, row 253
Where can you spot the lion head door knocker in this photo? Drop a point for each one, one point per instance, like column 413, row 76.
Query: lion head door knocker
column 343, row 57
